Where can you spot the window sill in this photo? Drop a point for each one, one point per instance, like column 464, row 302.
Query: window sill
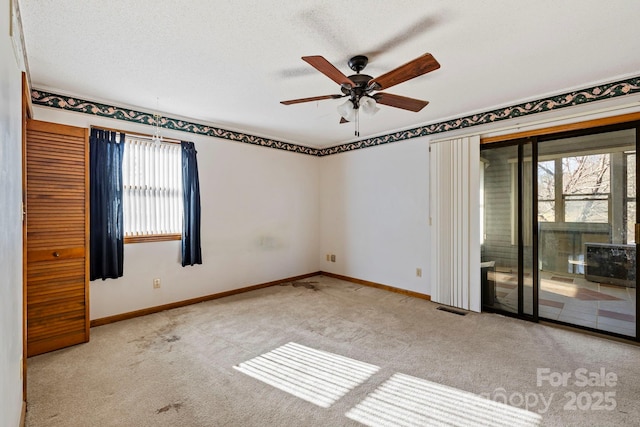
column 152, row 238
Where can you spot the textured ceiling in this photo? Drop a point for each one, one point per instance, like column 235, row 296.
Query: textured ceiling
column 229, row 63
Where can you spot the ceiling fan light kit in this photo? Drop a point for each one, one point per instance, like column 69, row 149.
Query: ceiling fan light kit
column 347, row 110
column 360, row 87
column 368, row 105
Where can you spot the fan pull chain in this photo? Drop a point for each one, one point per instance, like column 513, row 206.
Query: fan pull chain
column 357, row 132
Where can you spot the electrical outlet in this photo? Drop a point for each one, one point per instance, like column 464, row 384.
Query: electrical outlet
column 156, row 283
column 333, row 258
column 418, row 272
column 328, row 257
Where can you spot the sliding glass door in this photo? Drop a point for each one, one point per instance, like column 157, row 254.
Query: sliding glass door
column 586, row 221
column 507, row 241
column 559, row 229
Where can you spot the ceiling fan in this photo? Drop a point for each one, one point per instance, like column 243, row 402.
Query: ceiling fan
column 360, row 88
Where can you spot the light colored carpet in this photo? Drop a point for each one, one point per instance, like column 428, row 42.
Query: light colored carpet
column 176, row 368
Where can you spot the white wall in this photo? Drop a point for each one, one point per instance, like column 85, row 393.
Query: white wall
column 375, row 214
column 10, row 228
column 271, row 214
column 375, row 201
column 260, row 215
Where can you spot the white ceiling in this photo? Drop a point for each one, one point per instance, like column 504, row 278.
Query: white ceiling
column 230, row 63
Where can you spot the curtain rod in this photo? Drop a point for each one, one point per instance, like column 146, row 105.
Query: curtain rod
column 137, row 134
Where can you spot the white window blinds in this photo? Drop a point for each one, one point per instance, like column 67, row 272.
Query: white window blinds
column 152, row 188
column 455, row 222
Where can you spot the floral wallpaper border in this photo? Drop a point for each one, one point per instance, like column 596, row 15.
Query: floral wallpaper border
column 596, row 93
column 63, row 102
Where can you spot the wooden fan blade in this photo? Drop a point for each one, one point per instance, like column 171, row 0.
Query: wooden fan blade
column 343, row 120
column 313, row 98
column 408, row 71
column 327, row 68
column 398, row 101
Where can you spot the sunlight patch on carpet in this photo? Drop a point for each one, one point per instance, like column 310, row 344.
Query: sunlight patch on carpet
column 316, row 376
column 403, row 400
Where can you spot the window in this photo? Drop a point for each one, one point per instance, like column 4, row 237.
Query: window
column 483, row 164
column 152, row 190
column 630, row 195
column 586, row 186
column 575, row 188
column 546, row 191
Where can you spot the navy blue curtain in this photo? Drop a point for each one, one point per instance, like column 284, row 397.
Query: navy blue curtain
column 105, row 181
column 191, row 251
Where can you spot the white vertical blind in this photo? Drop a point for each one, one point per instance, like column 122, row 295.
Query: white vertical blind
column 455, row 222
column 152, row 188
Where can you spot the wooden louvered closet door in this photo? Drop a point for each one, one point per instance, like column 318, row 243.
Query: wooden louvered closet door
column 57, row 236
